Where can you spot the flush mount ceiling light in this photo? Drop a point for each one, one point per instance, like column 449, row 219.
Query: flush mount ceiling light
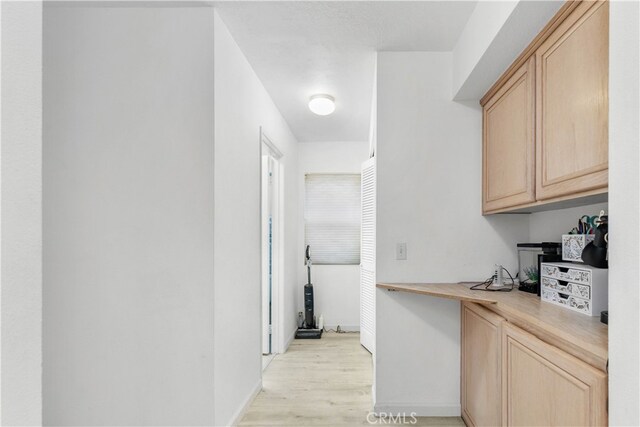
column 322, row 104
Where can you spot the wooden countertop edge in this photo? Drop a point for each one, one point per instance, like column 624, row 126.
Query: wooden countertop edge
column 404, row 288
column 596, row 355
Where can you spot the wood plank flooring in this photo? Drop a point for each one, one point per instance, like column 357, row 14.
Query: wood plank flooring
column 324, row 382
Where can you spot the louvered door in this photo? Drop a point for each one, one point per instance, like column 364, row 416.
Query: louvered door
column 368, row 256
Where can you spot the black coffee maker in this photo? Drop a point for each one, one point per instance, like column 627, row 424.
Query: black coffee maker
column 530, row 256
column 595, row 253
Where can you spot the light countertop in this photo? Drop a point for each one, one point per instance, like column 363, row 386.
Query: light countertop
column 582, row 336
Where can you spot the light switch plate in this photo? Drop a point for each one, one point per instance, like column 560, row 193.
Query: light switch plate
column 401, row 251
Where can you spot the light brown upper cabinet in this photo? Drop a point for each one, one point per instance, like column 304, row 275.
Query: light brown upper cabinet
column 545, row 121
column 573, row 104
column 509, row 142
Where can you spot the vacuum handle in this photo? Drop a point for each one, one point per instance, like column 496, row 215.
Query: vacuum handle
column 308, row 256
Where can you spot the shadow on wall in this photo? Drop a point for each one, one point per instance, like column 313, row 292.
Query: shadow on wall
column 416, row 333
column 474, row 105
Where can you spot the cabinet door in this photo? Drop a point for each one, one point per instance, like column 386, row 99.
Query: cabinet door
column 481, row 374
column 544, row 386
column 572, row 104
column 508, row 142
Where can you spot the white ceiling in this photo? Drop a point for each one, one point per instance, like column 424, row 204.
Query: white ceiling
column 300, row 48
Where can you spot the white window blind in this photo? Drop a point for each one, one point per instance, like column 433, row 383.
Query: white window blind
column 332, row 218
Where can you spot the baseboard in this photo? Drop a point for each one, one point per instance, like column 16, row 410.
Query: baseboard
column 368, row 341
column 237, row 417
column 419, row 409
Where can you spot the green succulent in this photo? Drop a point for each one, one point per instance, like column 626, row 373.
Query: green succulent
column 531, row 273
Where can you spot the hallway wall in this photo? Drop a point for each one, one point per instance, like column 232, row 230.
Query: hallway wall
column 242, row 106
column 336, row 287
column 152, row 143
column 128, row 216
column 21, row 214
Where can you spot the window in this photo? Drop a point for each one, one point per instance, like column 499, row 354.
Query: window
column 332, row 218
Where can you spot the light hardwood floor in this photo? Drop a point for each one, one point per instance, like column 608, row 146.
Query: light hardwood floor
column 324, row 382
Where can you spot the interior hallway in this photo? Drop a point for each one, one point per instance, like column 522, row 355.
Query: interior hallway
column 324, row 382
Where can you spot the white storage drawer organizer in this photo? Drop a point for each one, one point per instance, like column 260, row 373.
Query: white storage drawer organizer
column 576, row 287
column 573, row 245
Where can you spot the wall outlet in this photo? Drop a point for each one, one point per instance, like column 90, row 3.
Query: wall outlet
column 401, row 251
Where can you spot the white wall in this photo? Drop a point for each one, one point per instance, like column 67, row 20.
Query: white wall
column 128, row 216
column 482, row 27
column 417, row 357
column 624, row 188
column 242, row 106
column 21, row 214
column 429, row 182
column 496, row 33
column 336, row 287
column 551, row 225
column 374, row 111
column 133, row 306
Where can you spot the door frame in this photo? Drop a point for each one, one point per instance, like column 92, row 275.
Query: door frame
column 270, row 150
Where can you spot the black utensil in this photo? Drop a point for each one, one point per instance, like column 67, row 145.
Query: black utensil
column 595, row 253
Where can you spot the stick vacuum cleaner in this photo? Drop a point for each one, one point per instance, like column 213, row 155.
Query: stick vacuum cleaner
column 309, row 329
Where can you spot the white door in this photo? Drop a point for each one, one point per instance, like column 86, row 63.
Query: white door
column 368, row 257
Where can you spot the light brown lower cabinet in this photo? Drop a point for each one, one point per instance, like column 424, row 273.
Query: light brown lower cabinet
column 512, row 378
column 481, row 368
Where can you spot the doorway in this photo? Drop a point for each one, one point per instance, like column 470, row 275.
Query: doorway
column 271, row 237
